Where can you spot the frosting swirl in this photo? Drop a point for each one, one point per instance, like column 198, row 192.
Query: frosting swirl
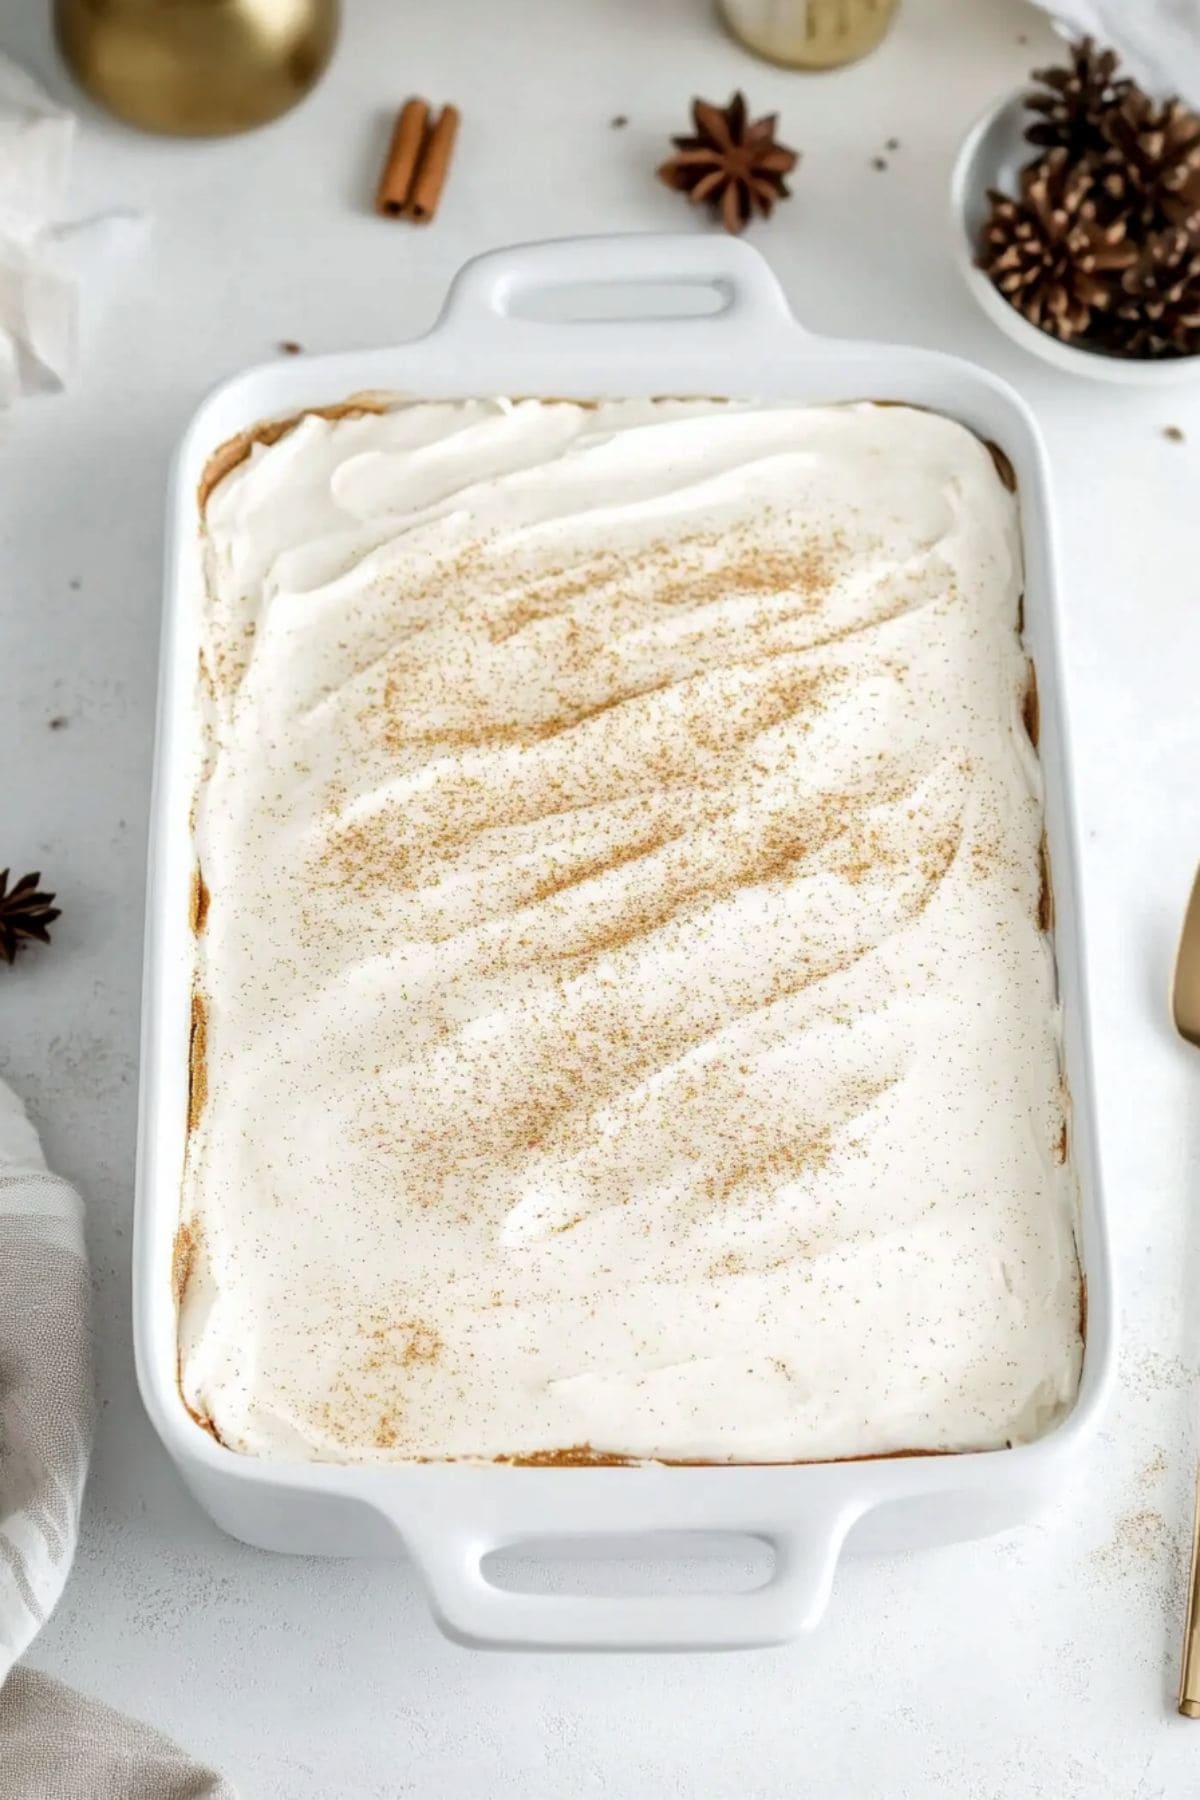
column 627, row 1020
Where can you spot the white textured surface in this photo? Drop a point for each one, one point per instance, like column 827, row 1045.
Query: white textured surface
column 1036, row 1666
column 635, row 802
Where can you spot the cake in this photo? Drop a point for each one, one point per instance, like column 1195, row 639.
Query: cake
column 625, row 1018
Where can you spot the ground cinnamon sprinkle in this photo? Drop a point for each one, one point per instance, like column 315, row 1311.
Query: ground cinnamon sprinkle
column 423, row 1343
column 183, row 1258
column 197, row 1061
column 579, row 869
column 386, row 1433
column 1030, row 711
column 575, row 1456
column 207, row 679
column 1045, row 904
column 750, row 1172
column 587, row 842
column 200, row 898
column 582, row 1456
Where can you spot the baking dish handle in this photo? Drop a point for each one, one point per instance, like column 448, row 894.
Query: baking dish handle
column 473, row 1611
column 488, row 294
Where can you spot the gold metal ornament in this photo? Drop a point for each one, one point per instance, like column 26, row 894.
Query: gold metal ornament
column 197, row 68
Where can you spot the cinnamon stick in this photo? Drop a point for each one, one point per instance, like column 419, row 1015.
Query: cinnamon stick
column 404, row 153
column 433, row 167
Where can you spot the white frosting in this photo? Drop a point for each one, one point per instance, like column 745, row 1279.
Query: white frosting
column 628, row 1022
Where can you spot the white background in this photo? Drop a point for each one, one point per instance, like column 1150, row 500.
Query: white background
column 1040, row 1664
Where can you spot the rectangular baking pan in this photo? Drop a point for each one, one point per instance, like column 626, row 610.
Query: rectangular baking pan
column 449, row 1516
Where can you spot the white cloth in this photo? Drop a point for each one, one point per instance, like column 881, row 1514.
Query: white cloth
column 42, row 260
column 38, row 297
column 54, row 1744
column 1158, row 40
column 45, row 1380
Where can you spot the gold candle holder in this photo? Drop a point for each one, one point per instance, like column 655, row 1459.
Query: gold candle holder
column 809, row 34
column 197, row 68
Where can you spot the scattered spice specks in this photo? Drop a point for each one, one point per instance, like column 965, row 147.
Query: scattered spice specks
column 58, row 722
column 878, row 162
column 1140, row 1536
column 892, row 144
column 1175, row 433
column 619, row 122
column 290, row 347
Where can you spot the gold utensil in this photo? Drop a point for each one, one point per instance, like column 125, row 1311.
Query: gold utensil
column 1185, row 1004
column 197, row 68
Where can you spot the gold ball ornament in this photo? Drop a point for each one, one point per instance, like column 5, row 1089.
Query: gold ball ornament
column 197, row 68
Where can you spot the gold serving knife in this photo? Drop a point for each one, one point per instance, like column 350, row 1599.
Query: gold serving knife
column 1185, row 1004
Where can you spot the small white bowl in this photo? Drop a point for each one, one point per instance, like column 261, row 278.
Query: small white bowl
column 992, row 155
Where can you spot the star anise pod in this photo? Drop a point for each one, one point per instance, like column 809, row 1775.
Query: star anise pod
column 731, row 164
column 1149, row 168
column 1157, row 309
column 25, row 912
column 1076, row 100
column 1048, row 253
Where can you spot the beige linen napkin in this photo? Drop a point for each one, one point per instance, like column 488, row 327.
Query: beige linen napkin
column 59, row 1745
column 54, row 1744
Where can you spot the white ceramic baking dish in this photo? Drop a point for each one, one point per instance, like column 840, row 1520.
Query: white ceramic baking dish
column 449, row 1516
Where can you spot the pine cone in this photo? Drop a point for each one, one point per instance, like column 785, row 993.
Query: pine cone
column 1157, row 309
column 1149, row 169
column 1048, row 253
column 1180, row 202
column 1078, row 99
